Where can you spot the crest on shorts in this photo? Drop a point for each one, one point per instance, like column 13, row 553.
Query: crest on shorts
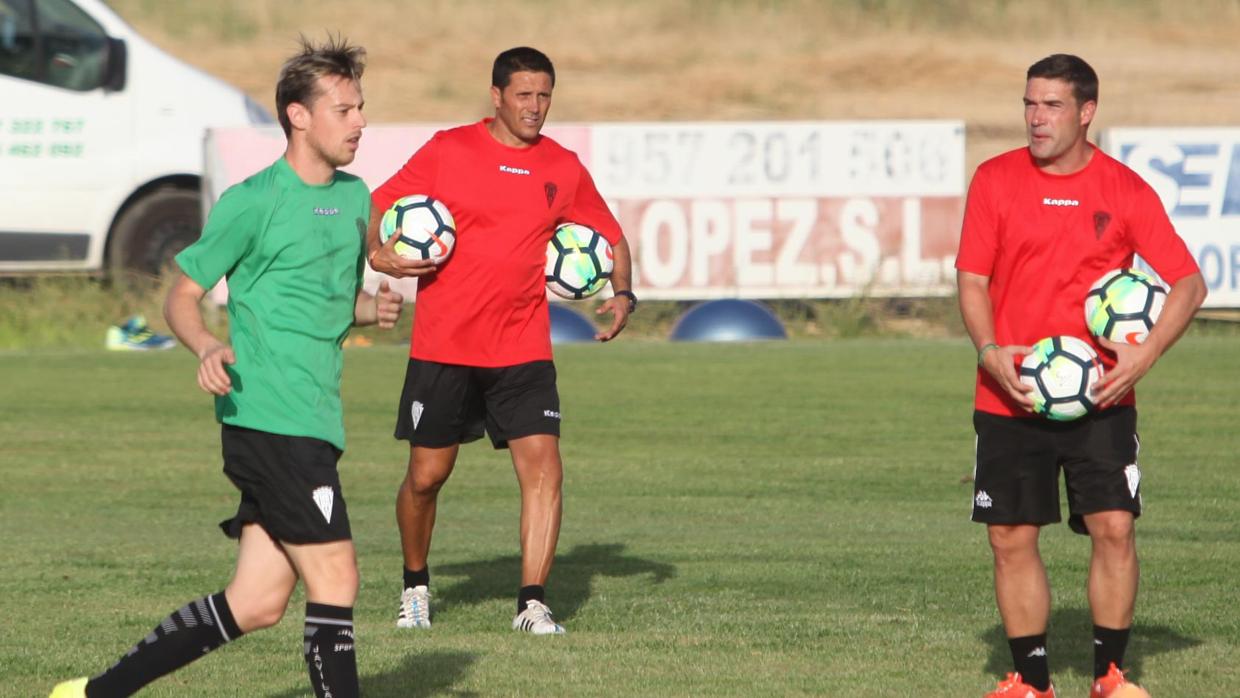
column 1133, row 474
column 1101, row 220
column 323, row 499
column 415, row 411
column 550, row 189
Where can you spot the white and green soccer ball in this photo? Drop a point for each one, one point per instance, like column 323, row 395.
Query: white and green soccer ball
column 1123, row 305
column 427, row 228
column 579, row 261
column 1061, row 369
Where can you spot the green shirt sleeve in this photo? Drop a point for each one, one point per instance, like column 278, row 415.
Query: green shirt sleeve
column 231, row 230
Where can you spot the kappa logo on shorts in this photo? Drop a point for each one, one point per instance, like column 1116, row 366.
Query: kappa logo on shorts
column 551, row 413
column 983, row 500
column 415, row 411
column 1133, row 474
column 324, row 498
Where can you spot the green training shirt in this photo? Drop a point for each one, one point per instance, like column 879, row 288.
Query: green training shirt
column 293, row 256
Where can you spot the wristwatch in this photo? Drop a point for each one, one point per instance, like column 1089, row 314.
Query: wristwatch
column 632, row 298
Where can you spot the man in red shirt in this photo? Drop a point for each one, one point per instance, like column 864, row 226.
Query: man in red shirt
column 480, row 356
column 1041, row 224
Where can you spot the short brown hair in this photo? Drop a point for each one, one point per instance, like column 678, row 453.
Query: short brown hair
column 298, row 81
column 1072, row 70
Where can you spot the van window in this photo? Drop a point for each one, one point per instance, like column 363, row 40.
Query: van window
column 18, row 54
column 53, row 42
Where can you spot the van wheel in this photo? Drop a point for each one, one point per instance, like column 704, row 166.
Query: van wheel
column 151, row 232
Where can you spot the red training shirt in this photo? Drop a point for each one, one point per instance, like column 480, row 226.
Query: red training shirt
column 1044, row 239
column 487, row 304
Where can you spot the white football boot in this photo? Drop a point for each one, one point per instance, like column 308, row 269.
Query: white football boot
column 415, row 608
column 536, row 619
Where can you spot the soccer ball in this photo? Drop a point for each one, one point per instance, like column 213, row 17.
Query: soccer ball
column 579, row 261
column 1061, row 369
column 1123, row 305
column 427, row 228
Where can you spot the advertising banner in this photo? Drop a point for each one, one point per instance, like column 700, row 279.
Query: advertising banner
column 1196, row 172
column 745, row 210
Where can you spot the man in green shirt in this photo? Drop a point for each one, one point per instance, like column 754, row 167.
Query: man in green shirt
column 289, row 240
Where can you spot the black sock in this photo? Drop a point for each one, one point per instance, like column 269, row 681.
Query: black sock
column 417, row 578
column 533, row 592
column 1109, row 646
column 329, row 650
column 1029, row 656
column 195, row 629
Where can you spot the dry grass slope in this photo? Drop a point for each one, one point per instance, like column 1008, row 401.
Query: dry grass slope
column 1162, row 62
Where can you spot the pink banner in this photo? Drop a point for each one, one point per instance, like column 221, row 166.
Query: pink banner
column 826, row 218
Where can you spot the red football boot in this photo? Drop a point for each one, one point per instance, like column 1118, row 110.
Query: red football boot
column 1106, row 685
column 1014, row 687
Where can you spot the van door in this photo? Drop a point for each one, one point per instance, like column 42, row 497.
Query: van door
column 65, row 135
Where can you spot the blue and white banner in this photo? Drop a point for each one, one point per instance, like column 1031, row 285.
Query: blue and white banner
column 1196, row 172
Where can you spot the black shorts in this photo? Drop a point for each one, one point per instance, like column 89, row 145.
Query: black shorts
column 289, row 485
column 1016, row 476
column 446, row 404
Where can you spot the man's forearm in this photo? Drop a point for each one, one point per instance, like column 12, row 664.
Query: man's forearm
column 1182, row 302
column 622, row 267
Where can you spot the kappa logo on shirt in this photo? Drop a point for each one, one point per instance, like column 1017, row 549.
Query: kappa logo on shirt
column 320, row 211
column 514, row 170
column 1048, row 201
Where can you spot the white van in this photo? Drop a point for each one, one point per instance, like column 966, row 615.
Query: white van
column 101, row 140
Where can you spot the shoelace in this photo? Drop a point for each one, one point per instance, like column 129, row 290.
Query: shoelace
column 540, row 613
column 415, row 608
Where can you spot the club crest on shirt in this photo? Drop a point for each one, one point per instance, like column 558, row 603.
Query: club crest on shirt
column 550, row 189
column 1101, row 220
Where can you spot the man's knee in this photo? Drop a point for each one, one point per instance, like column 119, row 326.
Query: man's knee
column 338, row 582
column 424, row 482
column 331, row 575
column 1012, row 542
column 538, row 457
column 428, row 470
column 1111, row 528
column 256, row 611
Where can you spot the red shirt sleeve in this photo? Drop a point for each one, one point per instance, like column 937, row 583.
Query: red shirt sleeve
column 979, row 235
column 588, row 208
column 1154, row 237
column 417, row 176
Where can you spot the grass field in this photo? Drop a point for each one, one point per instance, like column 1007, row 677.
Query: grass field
column 741, row 520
